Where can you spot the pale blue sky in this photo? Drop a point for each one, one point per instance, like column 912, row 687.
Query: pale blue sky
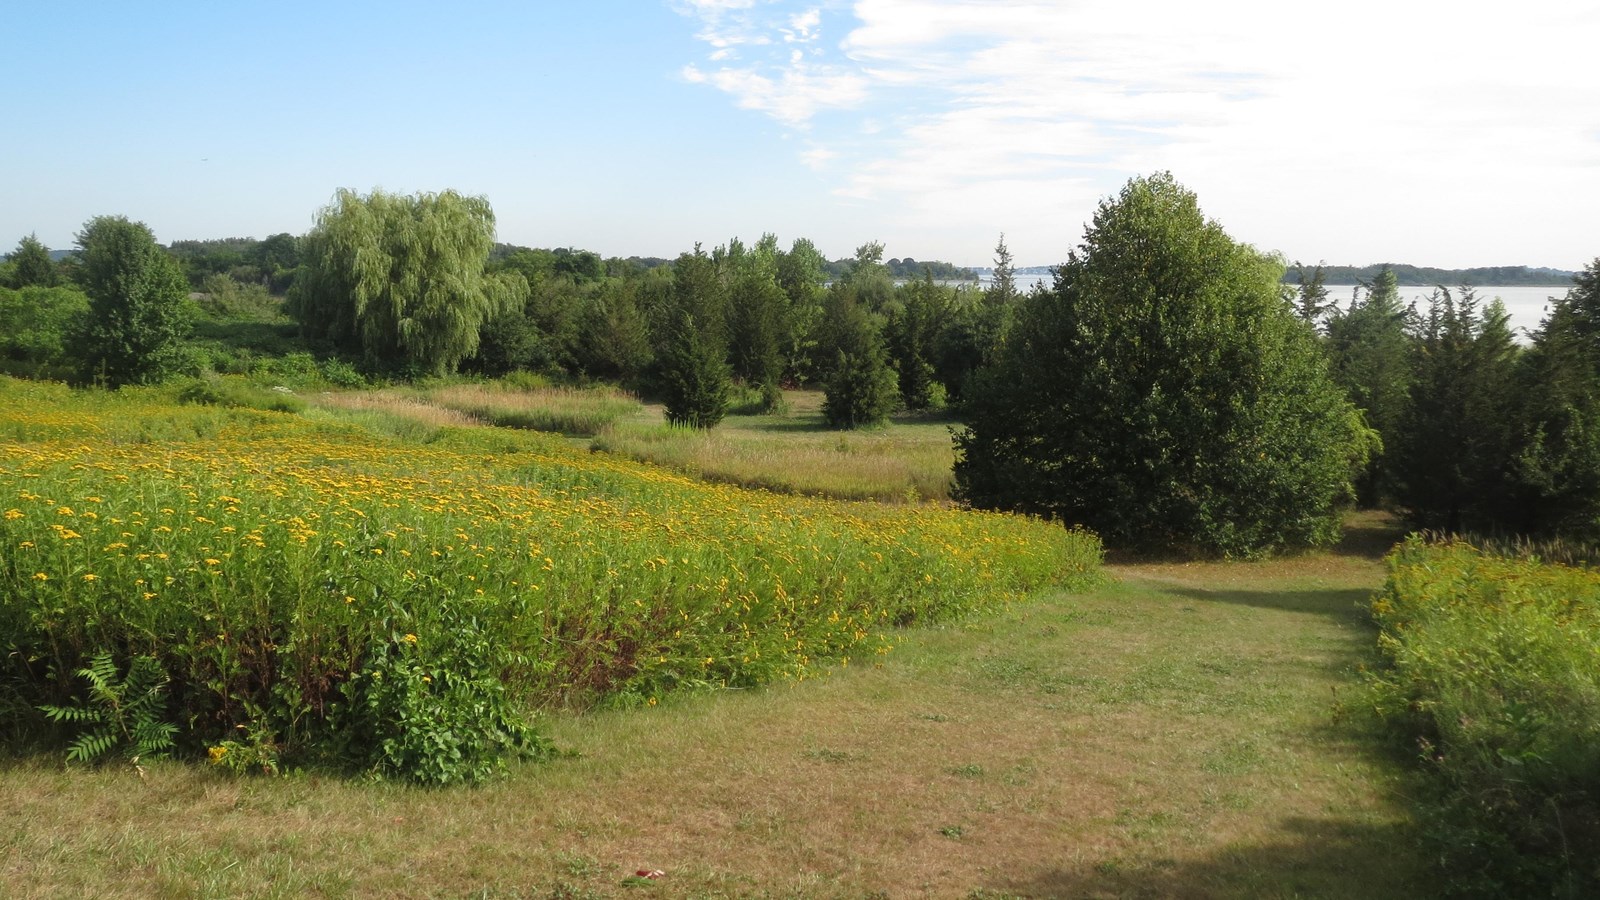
column 1448, row 134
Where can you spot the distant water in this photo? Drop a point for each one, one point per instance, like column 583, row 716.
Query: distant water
column 1527, row 305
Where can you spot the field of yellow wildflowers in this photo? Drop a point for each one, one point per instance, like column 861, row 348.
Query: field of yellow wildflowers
column 312, row 590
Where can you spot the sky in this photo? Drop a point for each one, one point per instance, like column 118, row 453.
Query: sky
column 1449, row 134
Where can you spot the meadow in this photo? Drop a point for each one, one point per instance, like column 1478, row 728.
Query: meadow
column 317, row 591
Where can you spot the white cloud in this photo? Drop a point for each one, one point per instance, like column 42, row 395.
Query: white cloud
column 1320, row 130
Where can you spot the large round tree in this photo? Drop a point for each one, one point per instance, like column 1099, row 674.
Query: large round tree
column 1163, row 393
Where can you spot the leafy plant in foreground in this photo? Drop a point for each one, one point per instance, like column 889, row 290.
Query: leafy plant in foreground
column 122, row 711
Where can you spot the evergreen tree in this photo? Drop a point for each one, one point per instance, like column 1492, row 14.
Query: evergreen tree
column 136, row 291
column 1456, row 446
column 613, row 341
column 1558, row 466
column 1000, row 300
column 756, row 307
column 1162, row 394
column 30, row 264
column 860, row 388
column 1311, row 298
column 800, row 274
column 1370, row 357
column 912, row 335
column 695, row 379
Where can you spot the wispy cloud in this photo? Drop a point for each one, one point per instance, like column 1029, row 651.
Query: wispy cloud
column 1005, row 112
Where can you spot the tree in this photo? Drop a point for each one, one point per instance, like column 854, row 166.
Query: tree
column 31, row 265
column 1162, row 394
column 1369, row 356
column 613, row 341
column 695, row 379
column 1558, row 406
column 999, row 303
column 401, row 278
column 136, row 319
column 912, row 336
column 1456, row 444
column 1311, row 299
column 860, row 388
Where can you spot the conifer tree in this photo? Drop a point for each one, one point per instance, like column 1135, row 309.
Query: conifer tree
column 695, row 378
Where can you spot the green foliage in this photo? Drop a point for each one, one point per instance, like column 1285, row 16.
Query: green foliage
column 268, row 560
column 1369, row 355
column 137, row 318
column 30, row 264
column 36, row 329
column 238, row 393
column 861, row 388
column 433, row 711
column 1311, row 295
column 1455, row 448
column 1558, row 466
column 122, row 712
column 613, row 336
column 912, row 336
column 1163, row 394
column 1491, row 674
column 695, row 379
column 756, row 325
column 401, row 279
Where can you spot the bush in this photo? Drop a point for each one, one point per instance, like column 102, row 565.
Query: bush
column 1492, row 675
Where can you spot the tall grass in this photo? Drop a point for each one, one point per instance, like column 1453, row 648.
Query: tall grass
column 274, row 565
column 580, row 412
column 847, row 466
column 1493, row 674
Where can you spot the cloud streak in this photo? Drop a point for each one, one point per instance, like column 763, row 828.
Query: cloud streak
column 1016, row 115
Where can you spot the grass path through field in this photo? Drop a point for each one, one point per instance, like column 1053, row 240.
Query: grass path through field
column 1169, row 734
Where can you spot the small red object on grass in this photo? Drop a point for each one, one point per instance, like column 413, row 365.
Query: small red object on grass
column 649, row 873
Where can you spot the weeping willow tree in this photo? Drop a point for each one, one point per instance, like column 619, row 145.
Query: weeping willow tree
column 400, row 279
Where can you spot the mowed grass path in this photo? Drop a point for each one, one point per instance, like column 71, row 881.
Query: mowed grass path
column 1170, row 734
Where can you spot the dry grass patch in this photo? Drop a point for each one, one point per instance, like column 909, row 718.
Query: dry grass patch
column 908, row 460
column 1171, row 735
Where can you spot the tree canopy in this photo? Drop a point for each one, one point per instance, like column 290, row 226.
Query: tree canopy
column 401, row 278
column 1163, row 393
column 136, row 294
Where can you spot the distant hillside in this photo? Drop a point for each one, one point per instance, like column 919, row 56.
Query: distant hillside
column 1500, row 276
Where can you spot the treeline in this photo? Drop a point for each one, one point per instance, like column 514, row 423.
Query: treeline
column 1406, row 274
column 1478, row 433
column 399, row 287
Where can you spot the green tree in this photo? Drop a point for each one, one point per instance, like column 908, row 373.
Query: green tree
column 613, row 340
column 1558, row 445
column 36, row 326
column 1369, row 356
column 401, row 278
column 137, row 319
column 1000, row 301
column 860, row 389
column 800, row 273
column 1456, row 445
column 912, row 334
column 31, row 265
column 1162, row 394
column 695, row 379
column 757, row 317
column 1311, row 297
